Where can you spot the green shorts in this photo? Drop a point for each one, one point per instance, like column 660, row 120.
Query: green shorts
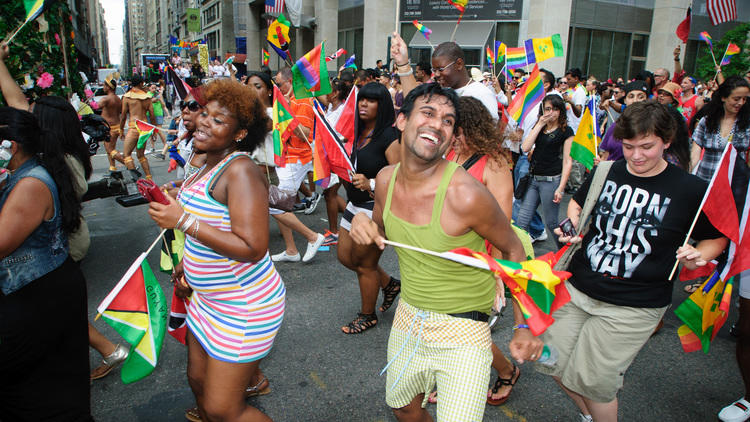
column 430, row 348
column 597, row 342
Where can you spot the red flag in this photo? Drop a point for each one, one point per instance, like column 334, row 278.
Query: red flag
column 718, row 203
column 739, row 254
column 683, row 29
column 330, row 150
column 700, row 272
column 177, row 326
column 345, row 125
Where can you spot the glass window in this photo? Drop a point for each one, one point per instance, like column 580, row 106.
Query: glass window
column 636, row 65
column 620, row 49
column 640, row 45
column 475, row 57
column 578, row 49
column 507, row 32
column 601, row 51
column 351, row 41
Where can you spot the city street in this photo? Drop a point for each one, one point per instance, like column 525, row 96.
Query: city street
column 317, row 373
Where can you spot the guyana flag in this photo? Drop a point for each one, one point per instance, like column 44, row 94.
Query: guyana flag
column 538, row 288
column 137, row 309
column 283, row 125
column 145, row 131
column 704, row 313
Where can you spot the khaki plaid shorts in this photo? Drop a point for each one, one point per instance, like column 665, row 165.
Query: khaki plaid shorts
column 429, row 348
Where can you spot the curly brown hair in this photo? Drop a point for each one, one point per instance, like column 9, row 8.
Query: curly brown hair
column 481, row 133
column 243, row 102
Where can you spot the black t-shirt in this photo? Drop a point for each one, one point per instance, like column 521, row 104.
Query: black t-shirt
column 636, row 227
column 548, row 150
column 369, row 161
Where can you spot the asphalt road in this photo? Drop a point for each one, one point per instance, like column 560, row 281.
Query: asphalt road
column 319, row 374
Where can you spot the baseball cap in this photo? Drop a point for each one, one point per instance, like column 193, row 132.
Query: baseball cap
column 636, row 86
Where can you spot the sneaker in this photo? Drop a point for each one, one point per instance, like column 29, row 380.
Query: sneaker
column 585, row 418
column 285, row 257
column 331, row 238
column 299, row 207
column 135, row 174
column 738, row 411
column 312, row 248
column 541, row 238
column 148, row 151
column 312, row 203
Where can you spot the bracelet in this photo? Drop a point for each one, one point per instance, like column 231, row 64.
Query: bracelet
column 195, row 229
column 372, row 185
column 519, row 326
column 174, row 185
column 179, row 222
column 188, row 222
column 408, row 63
column 410, row 72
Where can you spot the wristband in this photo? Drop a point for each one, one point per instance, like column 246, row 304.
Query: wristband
column 408, row 63
column 174, row 185
column 410, row 72
column 372, row 185
column 519, row 326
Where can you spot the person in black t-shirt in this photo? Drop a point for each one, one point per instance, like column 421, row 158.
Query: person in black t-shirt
column 373, row 148
column 549, row 165
column 620, row 288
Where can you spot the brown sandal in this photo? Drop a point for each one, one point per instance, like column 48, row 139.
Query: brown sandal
column 361, row 323
column 193, row 415
column 257, row 391
column 499, row 383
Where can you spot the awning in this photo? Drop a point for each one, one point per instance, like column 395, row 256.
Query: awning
column 469, row 34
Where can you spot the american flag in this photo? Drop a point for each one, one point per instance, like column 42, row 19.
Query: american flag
column 720, row 11
column 274, row 7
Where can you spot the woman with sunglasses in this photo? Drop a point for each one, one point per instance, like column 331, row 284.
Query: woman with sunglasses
column 373, row 149
column 238, row 297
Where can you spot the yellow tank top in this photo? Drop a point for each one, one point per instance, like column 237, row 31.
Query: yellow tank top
column 432, row 283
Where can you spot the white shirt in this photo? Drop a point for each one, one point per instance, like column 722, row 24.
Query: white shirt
column 502, row 98
column 481, row 93
column 579, row 99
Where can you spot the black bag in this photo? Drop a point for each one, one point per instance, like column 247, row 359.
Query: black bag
column 522, row 186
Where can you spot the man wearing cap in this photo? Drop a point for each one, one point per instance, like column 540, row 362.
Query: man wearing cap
column 611, row 148
column 111, row 105
column 689, row 101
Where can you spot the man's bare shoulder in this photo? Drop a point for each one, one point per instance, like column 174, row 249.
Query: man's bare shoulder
column 466, row 192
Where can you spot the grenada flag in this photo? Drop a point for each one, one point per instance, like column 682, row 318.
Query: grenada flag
column 283, row 125
column 137, row 309
column 145, row 131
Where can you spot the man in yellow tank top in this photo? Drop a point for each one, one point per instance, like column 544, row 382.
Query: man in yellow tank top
column 440, row 334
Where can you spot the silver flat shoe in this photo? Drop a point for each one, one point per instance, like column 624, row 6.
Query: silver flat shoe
column 110, row 362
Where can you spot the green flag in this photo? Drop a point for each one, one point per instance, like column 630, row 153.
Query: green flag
column 193, row 19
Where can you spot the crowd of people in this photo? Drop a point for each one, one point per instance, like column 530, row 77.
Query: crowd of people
column 438, row 164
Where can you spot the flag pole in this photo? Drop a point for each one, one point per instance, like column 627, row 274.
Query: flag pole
column 461, row 259
column 398, row 13
column 16, row 32
column 700, row 208
column 453, row 35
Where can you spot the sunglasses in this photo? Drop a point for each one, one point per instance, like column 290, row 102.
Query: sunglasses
column 191, row 105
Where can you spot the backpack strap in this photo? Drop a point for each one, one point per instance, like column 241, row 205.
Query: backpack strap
column 597, row 183
column 471, row 161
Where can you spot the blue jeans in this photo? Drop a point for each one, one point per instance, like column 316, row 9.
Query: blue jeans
column 540, row 191
column 536, row 227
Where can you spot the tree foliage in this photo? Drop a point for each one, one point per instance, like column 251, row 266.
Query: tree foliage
column 36, row 49
column 740, row 63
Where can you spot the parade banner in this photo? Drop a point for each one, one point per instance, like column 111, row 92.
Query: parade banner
column 442, row 10
column 193, row 19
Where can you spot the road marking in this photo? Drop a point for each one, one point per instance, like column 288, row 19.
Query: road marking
column 317, row 380
column 512, row 415
column 90, row 215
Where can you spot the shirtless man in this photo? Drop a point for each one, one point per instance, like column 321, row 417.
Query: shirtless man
column 111, row 105
column 432, row 203
column 135, row 104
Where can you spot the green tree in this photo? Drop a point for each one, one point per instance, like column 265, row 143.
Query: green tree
column 36, row 49
column 740, row 63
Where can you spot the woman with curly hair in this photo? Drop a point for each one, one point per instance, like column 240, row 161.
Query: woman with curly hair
column 550, row 163
column 238, row 297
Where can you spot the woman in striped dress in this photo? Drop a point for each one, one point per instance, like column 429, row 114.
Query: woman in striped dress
column 238, row 297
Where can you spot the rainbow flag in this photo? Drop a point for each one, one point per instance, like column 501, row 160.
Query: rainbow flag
column 459, row 4
column 490, row 57
column 732, row 49
column 586, row 141
column 499, row 52
column 541, row 49
column 137, row 309
column 283, row 125
column 707, row 38
column 704, row 314
column 528, row 97
column 266, row 56
column 278, row 36
column 145, row 131
column 310, row 74
column 508, row 75
column 516, row 57
column 538, row 288
column 423, row 29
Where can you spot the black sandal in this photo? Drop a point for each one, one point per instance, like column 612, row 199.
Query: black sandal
column 361, row 323
column 500, row 382
column 389, row 293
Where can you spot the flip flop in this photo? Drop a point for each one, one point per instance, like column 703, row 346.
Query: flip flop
column 691, row 288
column 499, row 383
column 256, row 390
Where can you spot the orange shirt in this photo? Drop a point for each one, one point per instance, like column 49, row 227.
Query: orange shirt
column 297, row 148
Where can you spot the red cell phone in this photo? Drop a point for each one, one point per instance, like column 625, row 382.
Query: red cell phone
column 152, row 193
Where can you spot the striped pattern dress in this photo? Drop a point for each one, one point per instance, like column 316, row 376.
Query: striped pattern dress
column 237, row 307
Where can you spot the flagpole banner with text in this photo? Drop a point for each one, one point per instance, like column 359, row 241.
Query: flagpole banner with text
column 438, row 10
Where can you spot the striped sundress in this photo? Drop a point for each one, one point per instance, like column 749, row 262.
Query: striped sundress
column 237, row 307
